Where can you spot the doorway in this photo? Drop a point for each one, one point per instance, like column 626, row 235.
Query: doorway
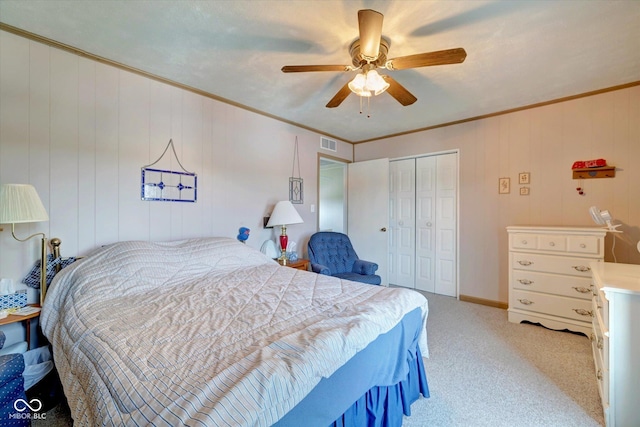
column 332, row 194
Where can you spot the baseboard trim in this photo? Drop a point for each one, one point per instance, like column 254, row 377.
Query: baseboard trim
column 482, row 301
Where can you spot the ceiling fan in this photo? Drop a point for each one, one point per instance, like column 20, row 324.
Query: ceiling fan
column 368, row 53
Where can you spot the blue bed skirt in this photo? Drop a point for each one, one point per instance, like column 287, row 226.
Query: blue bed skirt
column 374, row 389
column 384, row 406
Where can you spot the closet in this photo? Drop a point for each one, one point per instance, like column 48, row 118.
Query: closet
column 423, row 193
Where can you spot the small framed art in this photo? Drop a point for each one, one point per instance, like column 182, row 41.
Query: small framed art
column 524, row 178
column 504, row 186
column 524, row 191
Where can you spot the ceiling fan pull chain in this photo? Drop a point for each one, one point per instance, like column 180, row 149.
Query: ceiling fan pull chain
column 368, row 107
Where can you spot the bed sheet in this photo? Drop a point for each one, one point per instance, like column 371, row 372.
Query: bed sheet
column 205, row 332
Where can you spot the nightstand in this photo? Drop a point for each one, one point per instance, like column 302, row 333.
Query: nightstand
column 13, row 318
column 301, row 264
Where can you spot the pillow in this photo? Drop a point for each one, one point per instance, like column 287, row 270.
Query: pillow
column 33, row 278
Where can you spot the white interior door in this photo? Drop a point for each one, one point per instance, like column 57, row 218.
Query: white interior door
column 402, row 216
column 425, row 223
column 368, row 212
column 446, row 225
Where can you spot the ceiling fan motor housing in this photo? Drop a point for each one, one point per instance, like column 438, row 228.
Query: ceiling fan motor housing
column 358, row 59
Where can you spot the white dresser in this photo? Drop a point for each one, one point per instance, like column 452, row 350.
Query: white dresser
column 550, row 275
column 616, row 341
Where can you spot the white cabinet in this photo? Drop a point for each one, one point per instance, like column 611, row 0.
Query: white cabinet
column 550, row 275
column 616, row 341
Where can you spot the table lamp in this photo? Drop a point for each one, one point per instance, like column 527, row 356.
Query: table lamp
column 284, row 214
column 20, row 203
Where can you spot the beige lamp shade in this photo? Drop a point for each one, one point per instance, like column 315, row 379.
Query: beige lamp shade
column 284, row 214
column 20, row 203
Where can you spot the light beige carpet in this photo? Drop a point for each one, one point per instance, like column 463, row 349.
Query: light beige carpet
column 485, row 371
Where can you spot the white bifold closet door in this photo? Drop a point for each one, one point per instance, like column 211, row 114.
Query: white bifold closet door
column 423, row 223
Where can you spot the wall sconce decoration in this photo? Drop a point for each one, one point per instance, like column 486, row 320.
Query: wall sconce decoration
column 504, row 186
column 296, row 189
column 167, row 185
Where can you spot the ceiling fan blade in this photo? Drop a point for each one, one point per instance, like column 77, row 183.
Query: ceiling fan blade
column 339, row 97
column 441, row 57
column 305, row 68
column 402, row 95
column 370, row 25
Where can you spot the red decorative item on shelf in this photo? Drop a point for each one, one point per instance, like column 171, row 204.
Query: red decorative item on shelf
column 584, row 164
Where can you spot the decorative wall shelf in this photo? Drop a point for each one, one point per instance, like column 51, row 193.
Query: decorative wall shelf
column 601, row 172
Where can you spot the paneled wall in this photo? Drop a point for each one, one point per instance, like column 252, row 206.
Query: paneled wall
column 80, row 131
column 544, row 141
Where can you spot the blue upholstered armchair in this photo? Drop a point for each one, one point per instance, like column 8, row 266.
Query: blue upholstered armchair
column 332, row 254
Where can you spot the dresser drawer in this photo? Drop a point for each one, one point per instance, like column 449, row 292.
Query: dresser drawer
column 524, row 241
column 602, row 375
column 600, row 342
column 552, row 243
column 600, row 307
column 551, row 264
column 585, row 245
column 569, row 286
column 569, row 308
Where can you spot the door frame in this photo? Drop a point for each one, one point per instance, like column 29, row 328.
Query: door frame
column 455, row 151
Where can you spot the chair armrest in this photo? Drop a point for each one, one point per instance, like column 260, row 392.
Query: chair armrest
column 320, row 269
column 364, row 267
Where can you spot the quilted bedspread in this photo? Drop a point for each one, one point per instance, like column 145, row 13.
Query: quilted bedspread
column 204, row 332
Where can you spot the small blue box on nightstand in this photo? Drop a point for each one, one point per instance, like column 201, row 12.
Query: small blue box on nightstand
column 17, row 299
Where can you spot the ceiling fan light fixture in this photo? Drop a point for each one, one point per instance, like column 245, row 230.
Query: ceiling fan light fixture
column 368, row 84
column 375, row 83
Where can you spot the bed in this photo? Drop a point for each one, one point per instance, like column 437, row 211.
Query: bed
column 211, row 332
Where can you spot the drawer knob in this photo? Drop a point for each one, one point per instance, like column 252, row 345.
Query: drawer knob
column 592, row 337
column 525, row 262
column 599, row 375
column 600, row 344
column 582, row 245
column 581, row 289
column 581, row 268
column 552, row 244
column 525, row 281
column 525, row 301
column 583, row 312
column 524, row 242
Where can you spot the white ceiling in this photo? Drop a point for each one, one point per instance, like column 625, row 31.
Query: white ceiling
column 518, row 52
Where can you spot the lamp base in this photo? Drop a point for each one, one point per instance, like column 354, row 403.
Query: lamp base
column 282, row 260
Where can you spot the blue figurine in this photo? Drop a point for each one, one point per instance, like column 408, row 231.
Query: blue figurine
column 243, row 234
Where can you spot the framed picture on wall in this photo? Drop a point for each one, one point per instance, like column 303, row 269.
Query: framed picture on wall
column 524, row 191
column 524, row 178
column 504, row 186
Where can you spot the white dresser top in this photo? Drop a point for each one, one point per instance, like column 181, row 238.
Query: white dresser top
column 616, row 277
column 556, row 229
